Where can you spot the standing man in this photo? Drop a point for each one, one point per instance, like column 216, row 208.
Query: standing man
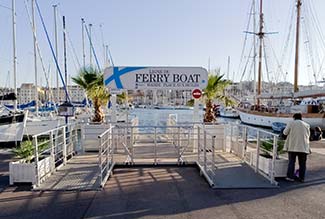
column 297, row 145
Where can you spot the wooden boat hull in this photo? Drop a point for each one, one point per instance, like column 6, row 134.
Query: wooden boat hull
column 265, row 119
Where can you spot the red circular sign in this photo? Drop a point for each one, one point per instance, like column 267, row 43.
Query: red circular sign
column 196, row 93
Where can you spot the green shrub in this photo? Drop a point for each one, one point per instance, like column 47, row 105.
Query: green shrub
column 267, row 146
column 26, row 150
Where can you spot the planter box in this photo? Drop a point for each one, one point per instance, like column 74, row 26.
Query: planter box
column 22, row 172
column 265, row 164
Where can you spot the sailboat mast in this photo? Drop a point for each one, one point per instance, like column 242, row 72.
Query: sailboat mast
column 56, row 51
column 14, row 50
column 261, row 36
column 90, row 54
column 295, row 84
column 35, row 59
column 83, row 42
column 254, row 44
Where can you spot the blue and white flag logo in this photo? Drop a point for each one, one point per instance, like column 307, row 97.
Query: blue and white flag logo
column 170, row 78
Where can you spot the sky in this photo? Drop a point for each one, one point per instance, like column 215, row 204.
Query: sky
column 153, row 33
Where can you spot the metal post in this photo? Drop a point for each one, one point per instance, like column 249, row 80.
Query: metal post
column 179, row 145
column 132, row 136
column 14, row 50
column 196, row 111
column 52, row 152
column 213, row 149
column 230, row 143
column 274, row 156
column 64, row 145
column 113, row 108
column 245, row 142
column 65, row 64
column 225, row 138
column 35, row 59
column 56, row 50
column 107, row 148
column 204, row 149
column 155, row 147
column 132, row 154
column 257, row 150
column 76, row 143
column 112, row 142
column 100, row 160
column 198, row 143
column 36, row 161
column 83, row 42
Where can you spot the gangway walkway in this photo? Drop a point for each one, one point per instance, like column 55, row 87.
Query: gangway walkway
column 80, row 173
column 224, row 154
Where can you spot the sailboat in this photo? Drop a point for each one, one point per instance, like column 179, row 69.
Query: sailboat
column 12, row 122
column 260, row 115
column 38, row 123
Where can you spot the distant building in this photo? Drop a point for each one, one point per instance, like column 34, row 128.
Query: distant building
column 160, row 97
column 76, row 94
column 26, row 93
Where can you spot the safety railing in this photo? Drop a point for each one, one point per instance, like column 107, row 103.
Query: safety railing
column 165, row 142
column 105, row 155
column 53, row 148
column 261, row 149
column 210, row 141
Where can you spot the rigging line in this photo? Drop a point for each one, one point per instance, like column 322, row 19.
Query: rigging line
column 317, row 23
column 247, row 62
column 251, row 70
column 6, row 7
column 321, row 35
column 70, row 42
column 317, row 71
column 110, row 56
column 266, row 63
column 73, row 50
column 38, row 48
column 52, row 50
column 75, row 64
column 279, row 67
column 92, row 48
column 246, row 36
column 312, row 24
column 310, row 56
column 286, row 44
column 103, row 43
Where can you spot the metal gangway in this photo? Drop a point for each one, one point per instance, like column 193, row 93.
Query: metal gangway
column 227, row 155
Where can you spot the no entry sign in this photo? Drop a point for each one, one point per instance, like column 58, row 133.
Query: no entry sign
column 196, row 93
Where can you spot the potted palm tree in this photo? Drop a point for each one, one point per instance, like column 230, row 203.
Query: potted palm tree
column 24, row 169
column 92, row 82
column 215, row 90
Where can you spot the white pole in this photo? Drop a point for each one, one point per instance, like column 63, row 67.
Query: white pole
column 14, row 50
column 254, row 56
column 56, row 51
column 196, row 111
column 113, row 114
column 83, row 42
column 90, row 52
column 35, row 58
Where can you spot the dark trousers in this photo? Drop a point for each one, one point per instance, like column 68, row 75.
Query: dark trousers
column 302, row 158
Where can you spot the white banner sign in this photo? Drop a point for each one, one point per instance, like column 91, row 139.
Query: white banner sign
column 170, row 78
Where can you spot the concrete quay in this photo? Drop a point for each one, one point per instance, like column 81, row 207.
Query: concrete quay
column 168, row 192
